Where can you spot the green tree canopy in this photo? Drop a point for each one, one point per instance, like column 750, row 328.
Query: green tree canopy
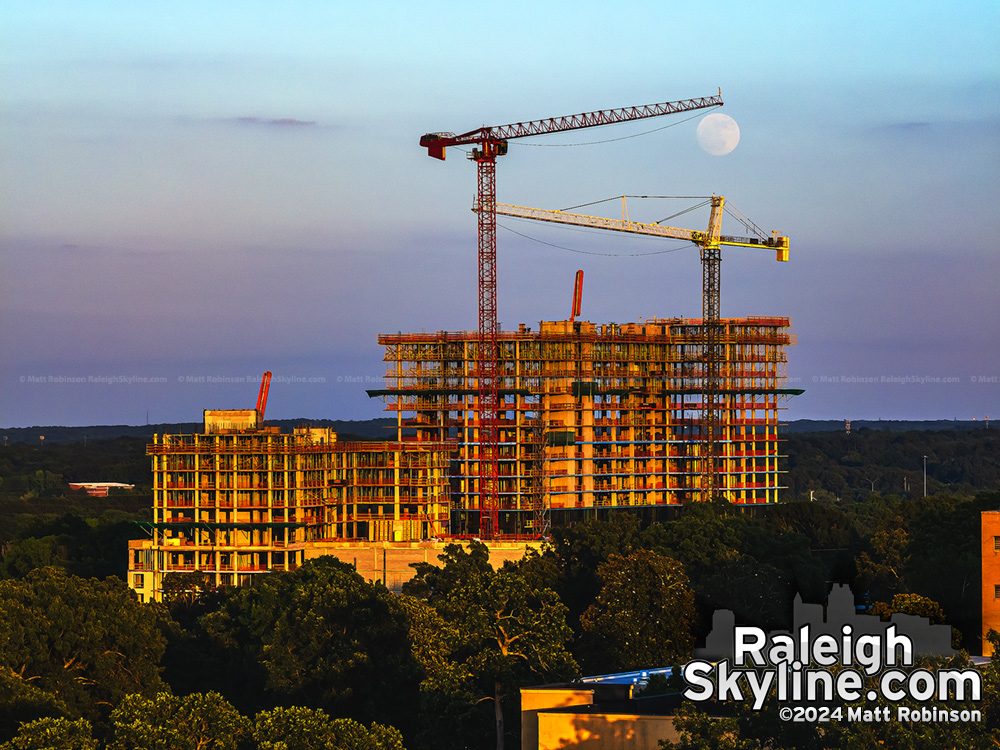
column 580, row 549
column 53, row 734
column 512, row 635
column 25, row 555
column 87, row 642
column 457, row 566
column 910, row 604
column 21, row 701
column 882, row 568
column 325, row 638
column 299, row 728
column 705, row 536
column 452, row 714
column 642, row 616
column 200, row 721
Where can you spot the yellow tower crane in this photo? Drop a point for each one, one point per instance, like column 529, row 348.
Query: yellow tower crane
column 710, row 243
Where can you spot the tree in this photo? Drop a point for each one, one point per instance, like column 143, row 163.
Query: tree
column 698, row 731
column 325, row 638
column 53, row 734
column 643, row 614
column 944, row 560
column 22, row 702
column 200, row 721
column 884, row 569
column 910, row 604
column 540, row 568
column 790, row 554
column 222, row 650
column 299, row 728
column 580, row 549
column 756, row 593
column 513, row 635
column 187, row 595
column 919, row 606
column 25, row 555
column 705, row 536
column 88, row 547
column 457, row 566
column 451, row 712
column 87, row 642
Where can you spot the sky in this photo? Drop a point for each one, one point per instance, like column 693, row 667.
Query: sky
column 192, row 193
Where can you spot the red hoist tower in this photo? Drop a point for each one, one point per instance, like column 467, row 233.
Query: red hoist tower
column 487, row 144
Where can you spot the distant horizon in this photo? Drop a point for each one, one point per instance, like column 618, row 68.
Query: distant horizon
column 304, row 419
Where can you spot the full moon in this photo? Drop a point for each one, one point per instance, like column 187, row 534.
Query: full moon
column 718, row 134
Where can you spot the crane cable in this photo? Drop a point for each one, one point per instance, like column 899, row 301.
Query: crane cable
column 606, row 140
column 612, row 140
column 704, row 202
column 589, row 252
column 748, row 224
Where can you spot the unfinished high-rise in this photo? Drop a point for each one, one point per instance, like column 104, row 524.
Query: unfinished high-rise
column 597, row 416
column 240, row 499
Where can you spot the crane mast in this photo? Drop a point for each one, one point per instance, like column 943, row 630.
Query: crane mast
column 711, row 262
column 487, row 356
column 710, row 244
column 489, row 143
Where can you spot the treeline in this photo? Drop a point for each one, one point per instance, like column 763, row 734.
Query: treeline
column 830, row 465
column 366, row 429
column 841, row 466
column 44, row 469
column 43, row 522
column 443, row 662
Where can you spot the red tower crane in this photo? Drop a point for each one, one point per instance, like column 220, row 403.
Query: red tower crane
column 488, row 143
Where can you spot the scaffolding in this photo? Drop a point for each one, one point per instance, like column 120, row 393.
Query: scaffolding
column 597, row 416
column 240, row 500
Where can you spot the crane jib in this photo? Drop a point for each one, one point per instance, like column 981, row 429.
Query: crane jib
column 777, row 242
column 435, row 143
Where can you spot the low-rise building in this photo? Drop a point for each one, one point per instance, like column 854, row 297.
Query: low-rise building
column 100, row 489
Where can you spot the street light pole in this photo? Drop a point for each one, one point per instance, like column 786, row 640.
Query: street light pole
column 925, row 476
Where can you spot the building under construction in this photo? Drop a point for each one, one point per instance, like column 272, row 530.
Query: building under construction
column 241, row 499
column 591, row 417
column 597, row 416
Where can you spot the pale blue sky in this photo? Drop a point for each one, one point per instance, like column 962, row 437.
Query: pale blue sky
column 217, row 188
